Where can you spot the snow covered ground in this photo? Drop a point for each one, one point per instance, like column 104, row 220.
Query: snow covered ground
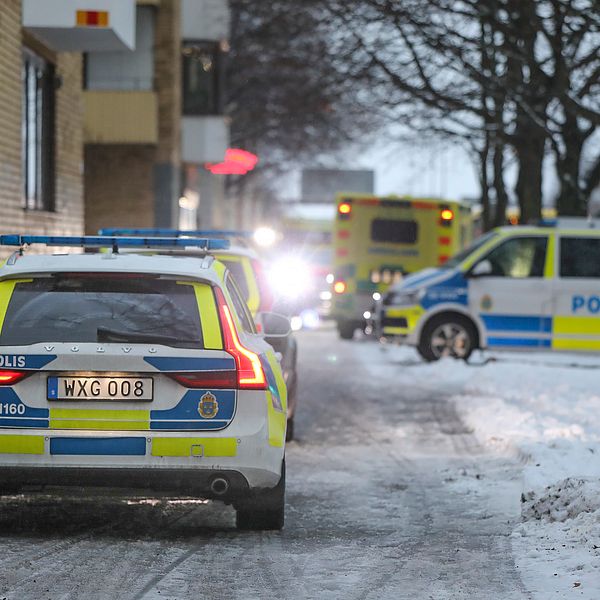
column 546, row 408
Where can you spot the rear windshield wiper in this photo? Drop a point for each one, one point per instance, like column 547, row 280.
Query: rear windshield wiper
column 111, row 335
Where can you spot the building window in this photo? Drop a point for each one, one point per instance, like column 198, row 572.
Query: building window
column 37, row 131
column 201, row 78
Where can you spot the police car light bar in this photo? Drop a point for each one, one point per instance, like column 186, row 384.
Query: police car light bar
column 220, row 233
column 115, row 242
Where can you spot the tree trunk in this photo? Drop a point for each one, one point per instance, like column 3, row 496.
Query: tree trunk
column 530, row 153
column 499, row 186
column 572, row 200
column 483, row 156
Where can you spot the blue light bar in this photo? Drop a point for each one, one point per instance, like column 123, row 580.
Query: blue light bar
column 220, row 233
column 115, row 242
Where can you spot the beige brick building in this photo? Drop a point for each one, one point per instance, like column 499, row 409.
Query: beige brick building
column 108, row 116
column 58, row 207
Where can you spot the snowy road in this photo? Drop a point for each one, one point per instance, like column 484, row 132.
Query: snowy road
column 389, row 496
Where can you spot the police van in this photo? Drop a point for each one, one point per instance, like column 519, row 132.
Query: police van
column 137, row 371
column 514, row 288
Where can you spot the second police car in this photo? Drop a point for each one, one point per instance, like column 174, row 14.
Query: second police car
column 515, row 288
column 139, row 371
column 246, row 267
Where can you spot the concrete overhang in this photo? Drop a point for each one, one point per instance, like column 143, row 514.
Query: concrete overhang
column 81, row 25
column 204, row 139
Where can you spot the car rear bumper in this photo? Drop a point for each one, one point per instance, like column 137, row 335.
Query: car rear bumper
column 193, row 482
column 175, row 461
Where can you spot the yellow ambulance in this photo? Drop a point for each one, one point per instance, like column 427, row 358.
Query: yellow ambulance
column 377, row 240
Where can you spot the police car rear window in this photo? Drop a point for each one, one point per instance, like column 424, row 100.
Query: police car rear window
column 580, row 257
column 394, row 231
column 102, row 309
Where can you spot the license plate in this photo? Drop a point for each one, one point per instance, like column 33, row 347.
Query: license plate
column 100, row 388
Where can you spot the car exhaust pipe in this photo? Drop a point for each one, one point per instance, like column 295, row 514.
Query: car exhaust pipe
column 219, row 486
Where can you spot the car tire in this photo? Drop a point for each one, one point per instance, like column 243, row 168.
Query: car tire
column 265, row 510
column 447, row 335
column 289, row 432
column 346, row 329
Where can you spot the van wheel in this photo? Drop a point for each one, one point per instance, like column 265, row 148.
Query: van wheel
column 346, row 329
column 263, row 511
column 447, row 335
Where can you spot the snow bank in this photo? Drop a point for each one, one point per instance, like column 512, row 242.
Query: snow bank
column 546, row 408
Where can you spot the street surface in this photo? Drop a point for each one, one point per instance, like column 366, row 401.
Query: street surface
column 389, row 496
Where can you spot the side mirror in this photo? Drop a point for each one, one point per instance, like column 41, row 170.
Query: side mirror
column 274, row 325
column 481, row 269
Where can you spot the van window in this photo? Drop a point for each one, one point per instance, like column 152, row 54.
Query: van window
column 394, row 231
column 463, row 254
column 519, row 258
column 92, row 308
column 580, row 257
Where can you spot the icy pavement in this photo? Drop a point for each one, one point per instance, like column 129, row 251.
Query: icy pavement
column 546, row 409
column 405, row 483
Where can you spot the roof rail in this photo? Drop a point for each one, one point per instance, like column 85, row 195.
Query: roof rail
column 177, row 233
column 114, row 242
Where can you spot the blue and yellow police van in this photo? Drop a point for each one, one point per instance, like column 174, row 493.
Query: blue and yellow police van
column 514, row 288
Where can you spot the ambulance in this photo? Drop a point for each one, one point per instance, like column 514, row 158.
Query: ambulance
column 379, row 240
column 514, row 288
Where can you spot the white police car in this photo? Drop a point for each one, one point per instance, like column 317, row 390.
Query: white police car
column 127, row 370
column 514, row 288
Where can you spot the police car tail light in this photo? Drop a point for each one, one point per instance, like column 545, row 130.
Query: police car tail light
column 12, row 377
column 251, row 375
column 220, row 380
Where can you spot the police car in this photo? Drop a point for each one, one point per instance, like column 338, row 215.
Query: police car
column 129, row 370
column 514, row 288
column 246, row 267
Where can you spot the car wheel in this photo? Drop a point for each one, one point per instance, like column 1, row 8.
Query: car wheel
column 450, row 335
column 346, row 329
column 289, row 432
column 264, row 511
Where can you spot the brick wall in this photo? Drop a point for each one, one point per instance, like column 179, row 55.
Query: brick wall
column 68, row 216
column 119, row 186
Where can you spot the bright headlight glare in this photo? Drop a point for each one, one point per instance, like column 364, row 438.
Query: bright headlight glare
column 290, row 277
column 265, row 236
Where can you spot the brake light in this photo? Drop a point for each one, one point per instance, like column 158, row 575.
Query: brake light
column 339, row 287
column 250, row 374
column 12, row 377
column 220, row 380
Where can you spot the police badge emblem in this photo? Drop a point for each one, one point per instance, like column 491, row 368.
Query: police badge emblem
column 486, row 302
column 208, row 407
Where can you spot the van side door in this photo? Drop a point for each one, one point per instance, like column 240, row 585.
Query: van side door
column 576, row 303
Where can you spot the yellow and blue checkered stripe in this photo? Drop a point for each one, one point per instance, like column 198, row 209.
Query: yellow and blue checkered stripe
column 578, row 333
